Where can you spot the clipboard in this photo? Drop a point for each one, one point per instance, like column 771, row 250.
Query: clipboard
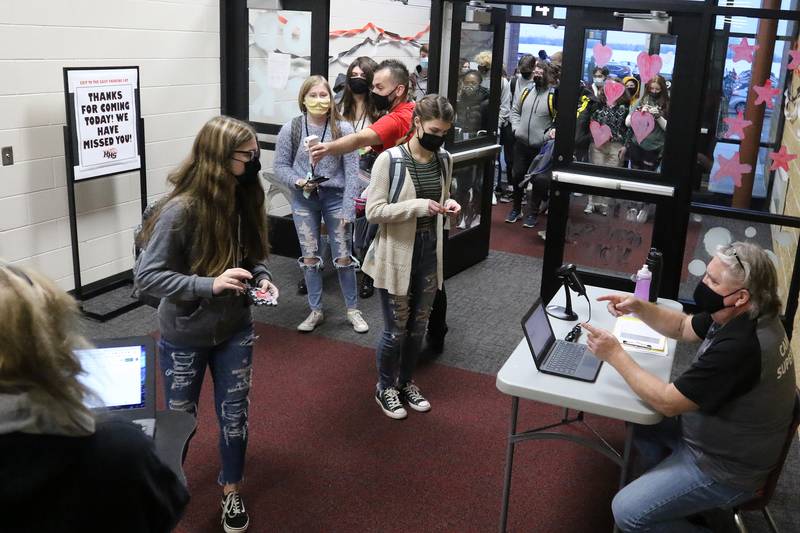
column 637, row 336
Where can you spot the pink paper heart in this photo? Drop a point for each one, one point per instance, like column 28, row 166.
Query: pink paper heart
column 601, row 133
column 613, row 91
column 649, row 66
column 602, row 54
column 642, row 124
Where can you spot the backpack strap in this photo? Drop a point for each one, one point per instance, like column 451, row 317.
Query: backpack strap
column 513, row 86
column 525, row 92
column 297, row 132
column 552, row 96
column 397, row 173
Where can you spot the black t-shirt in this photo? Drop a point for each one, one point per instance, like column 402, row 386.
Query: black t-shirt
column 729, row 365
column 109, row 481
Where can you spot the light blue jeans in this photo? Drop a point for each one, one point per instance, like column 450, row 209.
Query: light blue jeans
column 325, row 204
column 662, row 498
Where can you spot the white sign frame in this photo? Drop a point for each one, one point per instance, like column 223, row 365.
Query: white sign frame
column 103, row 119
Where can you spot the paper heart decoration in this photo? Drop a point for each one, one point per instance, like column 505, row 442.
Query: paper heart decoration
column 601, row 133
column 602, row 54
column 649, row 66
column 642, row 124
column 613, row 91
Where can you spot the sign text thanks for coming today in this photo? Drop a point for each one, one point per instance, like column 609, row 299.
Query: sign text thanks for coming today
column 105, row 121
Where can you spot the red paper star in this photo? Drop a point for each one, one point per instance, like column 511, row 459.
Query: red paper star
column 731, row 168
column 795, row 62
column 743, row 51
column 781, row 159
column 766, row 93
column 736, row 125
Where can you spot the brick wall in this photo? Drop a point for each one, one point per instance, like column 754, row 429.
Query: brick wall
column 175, row 43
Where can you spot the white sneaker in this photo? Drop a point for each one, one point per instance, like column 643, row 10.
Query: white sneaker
column 641, row 218
column 355, row 317
column 589, row 209
column 313, row 320
column 494, row 199
column 543, row 234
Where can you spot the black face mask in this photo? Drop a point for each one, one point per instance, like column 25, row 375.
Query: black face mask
column 631, row 91
column 380, row 101
column 709, row 301
column 251, row 170
column 538, row 81
column 358, row 85
column 526, row 75
column 429, row 141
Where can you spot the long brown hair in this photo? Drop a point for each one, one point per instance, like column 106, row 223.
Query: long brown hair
column 662, row 100
column 334, row 117
column 207, row 187
column 38, row 333
column 348, row 103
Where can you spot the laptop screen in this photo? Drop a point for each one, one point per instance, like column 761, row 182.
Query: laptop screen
column 118, row 375
column 539, row 332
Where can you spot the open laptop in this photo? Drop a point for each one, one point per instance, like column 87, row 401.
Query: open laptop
column 554, row 356
column 121, row 372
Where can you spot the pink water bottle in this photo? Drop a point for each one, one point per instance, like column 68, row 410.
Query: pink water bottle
column 643, row 278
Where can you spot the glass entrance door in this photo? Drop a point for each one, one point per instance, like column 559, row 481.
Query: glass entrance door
column 624, row 143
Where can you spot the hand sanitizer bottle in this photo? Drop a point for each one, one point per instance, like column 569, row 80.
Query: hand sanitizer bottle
column 643, row 278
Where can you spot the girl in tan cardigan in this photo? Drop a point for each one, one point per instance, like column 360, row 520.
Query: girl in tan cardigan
column 405, row 259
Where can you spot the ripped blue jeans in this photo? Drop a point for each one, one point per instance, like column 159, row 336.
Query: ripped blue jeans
column 406, row 317
column 325, row 204
column 230, row 362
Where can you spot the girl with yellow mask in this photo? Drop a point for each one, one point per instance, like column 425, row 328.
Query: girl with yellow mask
column 322, row 192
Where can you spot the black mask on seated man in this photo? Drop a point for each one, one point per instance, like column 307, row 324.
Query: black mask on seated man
column 709, row 301
column 251, row 170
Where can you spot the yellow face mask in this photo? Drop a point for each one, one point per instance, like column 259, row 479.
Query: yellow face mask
column 317, row 106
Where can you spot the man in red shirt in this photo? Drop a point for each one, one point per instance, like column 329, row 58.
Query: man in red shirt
column 389, row 93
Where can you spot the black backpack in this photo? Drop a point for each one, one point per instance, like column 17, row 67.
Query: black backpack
column 139, row 247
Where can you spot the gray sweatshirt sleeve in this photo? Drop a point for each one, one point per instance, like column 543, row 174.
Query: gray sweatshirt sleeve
column 516, row 110
column 505, row 102
column 282, row 164
column 260, row 272
column 159, row 273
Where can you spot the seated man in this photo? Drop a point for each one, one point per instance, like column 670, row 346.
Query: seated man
column 728, row 414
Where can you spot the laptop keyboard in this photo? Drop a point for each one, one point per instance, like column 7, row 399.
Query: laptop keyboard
column 565, row 357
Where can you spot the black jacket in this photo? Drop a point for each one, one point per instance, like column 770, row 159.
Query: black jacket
column 108, row 481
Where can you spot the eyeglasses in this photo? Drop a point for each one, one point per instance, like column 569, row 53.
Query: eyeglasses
column 733, row 252
column 251, row 154
column 19, row 273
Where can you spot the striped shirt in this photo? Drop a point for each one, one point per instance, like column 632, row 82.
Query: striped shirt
column 427, row 178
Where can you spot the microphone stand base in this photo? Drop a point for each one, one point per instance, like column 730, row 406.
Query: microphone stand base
column 561, row 313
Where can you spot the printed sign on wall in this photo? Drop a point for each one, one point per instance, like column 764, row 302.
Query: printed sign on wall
column 102, row 119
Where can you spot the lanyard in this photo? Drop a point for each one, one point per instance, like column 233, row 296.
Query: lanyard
column 322, row 139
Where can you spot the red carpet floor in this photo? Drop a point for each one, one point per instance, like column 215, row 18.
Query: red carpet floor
column 322, row 457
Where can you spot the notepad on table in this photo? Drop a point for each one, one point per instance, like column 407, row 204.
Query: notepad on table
column 636, row 335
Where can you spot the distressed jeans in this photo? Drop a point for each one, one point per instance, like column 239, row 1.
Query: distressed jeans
column 230, row 362
column 406, row 317
column 674, row 489
column 325, row 204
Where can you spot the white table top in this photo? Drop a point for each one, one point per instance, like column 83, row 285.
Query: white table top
column 609, row 396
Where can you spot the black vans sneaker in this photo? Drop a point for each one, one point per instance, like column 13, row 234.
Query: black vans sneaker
column 389, row 400
column 411, row 394
column 234, row 516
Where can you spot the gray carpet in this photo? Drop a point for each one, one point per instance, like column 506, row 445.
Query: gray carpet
column 485, row 304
